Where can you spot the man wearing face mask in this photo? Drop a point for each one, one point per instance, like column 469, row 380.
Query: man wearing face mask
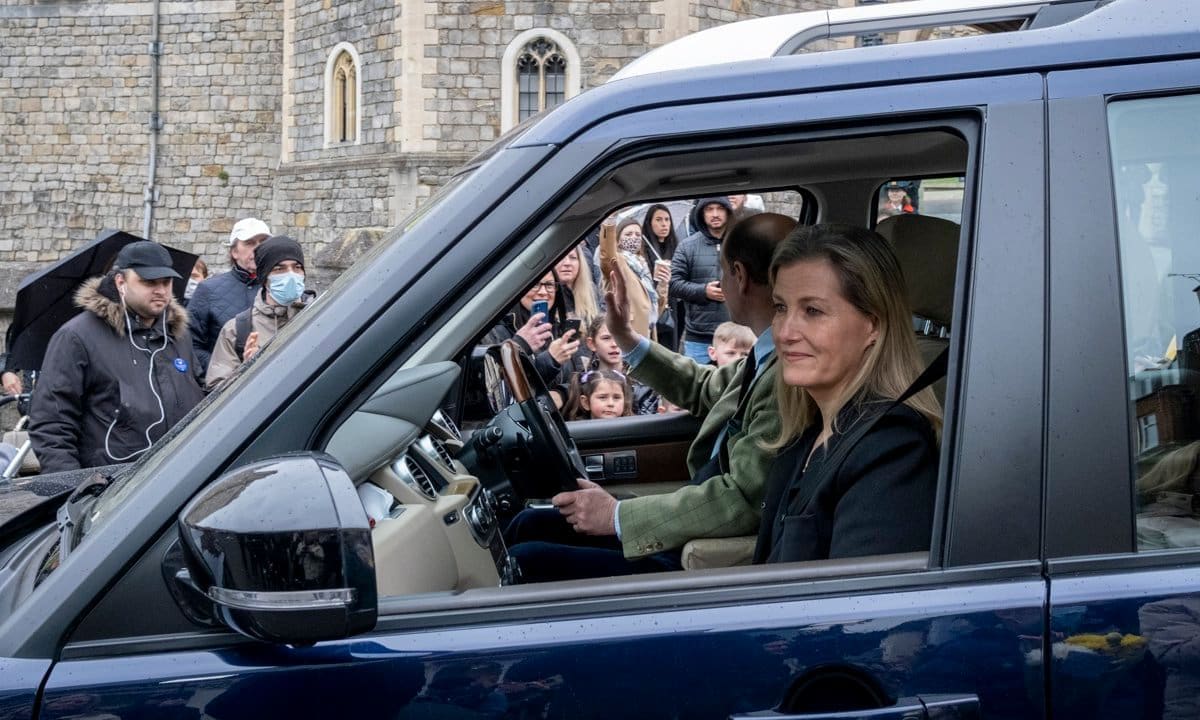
column 280, row 261
column 120, row 374
column 223, row 296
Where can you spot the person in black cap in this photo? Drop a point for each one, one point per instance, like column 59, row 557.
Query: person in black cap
column 120, row 374
column 280, row 260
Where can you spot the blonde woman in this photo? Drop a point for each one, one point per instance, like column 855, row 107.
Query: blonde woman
column 579, row 292
column 857, row 470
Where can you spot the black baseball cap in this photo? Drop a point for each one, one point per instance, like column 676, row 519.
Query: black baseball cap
column 149, row 260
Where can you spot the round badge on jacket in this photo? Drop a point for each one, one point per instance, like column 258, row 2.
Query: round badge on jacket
column 181, row 365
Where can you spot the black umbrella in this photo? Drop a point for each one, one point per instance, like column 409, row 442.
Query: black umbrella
column 46, row 298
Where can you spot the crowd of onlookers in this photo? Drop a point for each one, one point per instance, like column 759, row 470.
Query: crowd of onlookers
column 117, row 376
column 673, row 272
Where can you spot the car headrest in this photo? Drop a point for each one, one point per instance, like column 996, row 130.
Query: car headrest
column 927, row 248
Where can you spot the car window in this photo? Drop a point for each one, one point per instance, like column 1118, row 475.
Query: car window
column 628, row 456
column 1156, row 170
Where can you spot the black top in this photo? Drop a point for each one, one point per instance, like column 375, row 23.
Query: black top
column 877, row 498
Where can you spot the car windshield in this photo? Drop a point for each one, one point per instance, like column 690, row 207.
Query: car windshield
column 130, row 478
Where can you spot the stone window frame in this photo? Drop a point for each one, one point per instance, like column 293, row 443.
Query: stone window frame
column 332, row 99
column 508, row 70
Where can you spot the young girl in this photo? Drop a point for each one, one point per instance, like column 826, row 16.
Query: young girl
column 607, row 356
column 597, row 394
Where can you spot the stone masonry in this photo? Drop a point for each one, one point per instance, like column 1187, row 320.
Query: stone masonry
column 242, row 100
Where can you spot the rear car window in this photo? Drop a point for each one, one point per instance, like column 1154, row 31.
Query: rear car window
column 1156, row 171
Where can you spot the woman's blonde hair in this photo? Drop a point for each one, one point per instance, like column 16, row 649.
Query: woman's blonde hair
column 586, row 307
column 871, row 281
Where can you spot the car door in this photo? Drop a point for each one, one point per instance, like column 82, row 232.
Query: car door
column 1121, row 525
column 957, row 631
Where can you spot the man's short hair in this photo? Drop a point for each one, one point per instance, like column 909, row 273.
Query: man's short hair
column 752, row 242
column 736, row 334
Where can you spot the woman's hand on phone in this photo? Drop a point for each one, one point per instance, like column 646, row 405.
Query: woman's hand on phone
column 563, row 348
column 536, row 332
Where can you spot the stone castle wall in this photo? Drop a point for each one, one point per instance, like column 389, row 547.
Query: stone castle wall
column 242, row 102
column 76, row 104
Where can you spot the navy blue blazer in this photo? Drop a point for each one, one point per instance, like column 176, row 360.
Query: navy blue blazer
column 878, row 499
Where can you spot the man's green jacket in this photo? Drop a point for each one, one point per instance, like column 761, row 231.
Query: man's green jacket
column 730, row 503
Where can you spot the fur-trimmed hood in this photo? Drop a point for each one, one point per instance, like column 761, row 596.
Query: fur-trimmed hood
column 99, row 297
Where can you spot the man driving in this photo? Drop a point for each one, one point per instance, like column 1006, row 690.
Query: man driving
column 589, row 533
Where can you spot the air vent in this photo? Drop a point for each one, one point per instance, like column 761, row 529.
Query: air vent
column 420, row 477
column 443, row 421
column 444, row 454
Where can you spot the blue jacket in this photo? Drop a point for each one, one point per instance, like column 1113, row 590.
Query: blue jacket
column 215, row 301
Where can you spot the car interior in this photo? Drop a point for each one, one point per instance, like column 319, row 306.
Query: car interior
column 438, row 497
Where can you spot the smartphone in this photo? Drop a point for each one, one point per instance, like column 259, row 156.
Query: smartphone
column 541, row 306
column 572, row 324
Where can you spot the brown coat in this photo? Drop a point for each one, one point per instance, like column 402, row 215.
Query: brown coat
column 266, row 320
column 639, row 300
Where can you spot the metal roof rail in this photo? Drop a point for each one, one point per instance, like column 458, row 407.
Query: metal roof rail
column 786, row 34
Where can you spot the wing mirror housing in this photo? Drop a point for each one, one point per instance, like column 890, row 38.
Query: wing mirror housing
column 282, row 549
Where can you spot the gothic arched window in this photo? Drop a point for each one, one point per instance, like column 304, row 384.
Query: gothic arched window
column 541, row 77
column 540, row 71
column 343, row 88
column 344, row 106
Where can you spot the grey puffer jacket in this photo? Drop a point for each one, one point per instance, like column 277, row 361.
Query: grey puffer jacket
column 93, row 403
column 215, row 301
column 696, row 263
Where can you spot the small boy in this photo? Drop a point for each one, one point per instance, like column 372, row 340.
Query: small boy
column 730, row 342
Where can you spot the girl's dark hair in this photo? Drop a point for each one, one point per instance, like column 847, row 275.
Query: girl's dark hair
column 667, row 249
column 585, row 383
column 594, row 327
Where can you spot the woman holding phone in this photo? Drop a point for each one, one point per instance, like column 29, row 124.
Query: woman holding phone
column 539, row 324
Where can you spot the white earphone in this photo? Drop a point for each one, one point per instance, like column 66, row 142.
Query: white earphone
column 162, row 411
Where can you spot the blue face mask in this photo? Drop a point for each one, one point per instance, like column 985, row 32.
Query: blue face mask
column 285, row 288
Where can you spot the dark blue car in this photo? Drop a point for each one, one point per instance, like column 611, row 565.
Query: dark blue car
column 321, row 539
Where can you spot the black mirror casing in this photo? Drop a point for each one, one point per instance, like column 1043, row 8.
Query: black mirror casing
column 282, row 547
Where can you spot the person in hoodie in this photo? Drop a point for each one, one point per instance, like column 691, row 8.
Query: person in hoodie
column 281, row 260
column 120, row 374
column 222, row 296
column 695, row 276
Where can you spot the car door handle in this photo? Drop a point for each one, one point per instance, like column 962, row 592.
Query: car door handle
column 926, row 707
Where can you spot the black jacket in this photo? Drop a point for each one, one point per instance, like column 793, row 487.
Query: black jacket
column 552, row 373
column 94, row 384
column 215, row 301
column 877, row 500
column 695, row 264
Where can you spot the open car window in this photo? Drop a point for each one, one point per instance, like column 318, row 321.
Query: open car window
column 456, row 478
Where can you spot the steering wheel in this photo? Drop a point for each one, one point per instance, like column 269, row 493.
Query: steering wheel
column 551, row 446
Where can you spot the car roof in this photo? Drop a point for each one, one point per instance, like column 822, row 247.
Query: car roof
column 1121, row 32
column 778, row 35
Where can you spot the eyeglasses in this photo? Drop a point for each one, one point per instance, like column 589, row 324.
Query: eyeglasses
column 587, row 376
column 547, row 286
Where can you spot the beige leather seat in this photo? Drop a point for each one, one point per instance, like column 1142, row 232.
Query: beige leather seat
column 927, row 248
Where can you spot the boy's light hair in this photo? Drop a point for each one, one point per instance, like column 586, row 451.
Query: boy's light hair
column 731, row 332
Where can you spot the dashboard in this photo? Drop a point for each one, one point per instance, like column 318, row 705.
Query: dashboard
column 434, row 526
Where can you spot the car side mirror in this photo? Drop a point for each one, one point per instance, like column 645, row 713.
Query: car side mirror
column 282, row 549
